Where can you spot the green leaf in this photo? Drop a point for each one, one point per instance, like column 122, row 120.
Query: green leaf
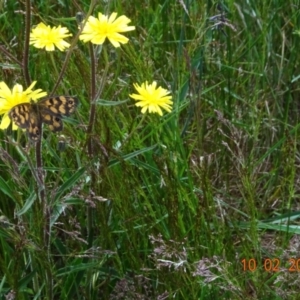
column 28, row 204
column 69, row 183
column 110, row 103
column 131, row 155
column 6, row 189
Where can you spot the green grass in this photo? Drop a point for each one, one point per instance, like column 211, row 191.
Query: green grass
column 149, row 207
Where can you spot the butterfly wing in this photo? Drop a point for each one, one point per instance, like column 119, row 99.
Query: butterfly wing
column 54, row 123
column 54, row 108
column 26, row 117
column 19, row 114
column 34, row 129
column 60, row 105
column 30, row 116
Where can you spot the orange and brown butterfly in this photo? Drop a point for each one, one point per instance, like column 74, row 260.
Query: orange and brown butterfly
column 50, row 111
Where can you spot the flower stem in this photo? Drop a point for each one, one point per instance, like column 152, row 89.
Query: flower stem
column 46, row 211
column 72, row 47
column 26, row 43
column 54, row 64
column 92, row 117
column 134, row 130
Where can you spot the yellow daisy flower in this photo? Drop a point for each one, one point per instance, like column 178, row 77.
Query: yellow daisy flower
column 97, row 30
column 10, row 98
column 151, row 98
column 43, row 36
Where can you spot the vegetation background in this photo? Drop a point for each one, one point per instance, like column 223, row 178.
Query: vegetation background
column 202, row 203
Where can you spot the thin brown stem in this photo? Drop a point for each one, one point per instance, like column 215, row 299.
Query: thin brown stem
column 92, row 100
column 26, row 43
column 45, row 208
column 90, row 128
column 13, row 58
column 72, row 47
column 41, row 183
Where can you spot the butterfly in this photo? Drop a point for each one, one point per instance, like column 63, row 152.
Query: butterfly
column 50, row 111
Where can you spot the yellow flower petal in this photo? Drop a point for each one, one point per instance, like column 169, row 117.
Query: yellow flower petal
column 5, row 121
column 96, row 30
column 151, row 98
column 43, row 36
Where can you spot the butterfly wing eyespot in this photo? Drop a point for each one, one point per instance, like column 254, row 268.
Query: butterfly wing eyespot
column 54, row 123
column 34, row 134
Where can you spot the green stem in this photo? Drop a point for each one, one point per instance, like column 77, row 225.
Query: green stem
column 134, row 130
column 54, row 64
